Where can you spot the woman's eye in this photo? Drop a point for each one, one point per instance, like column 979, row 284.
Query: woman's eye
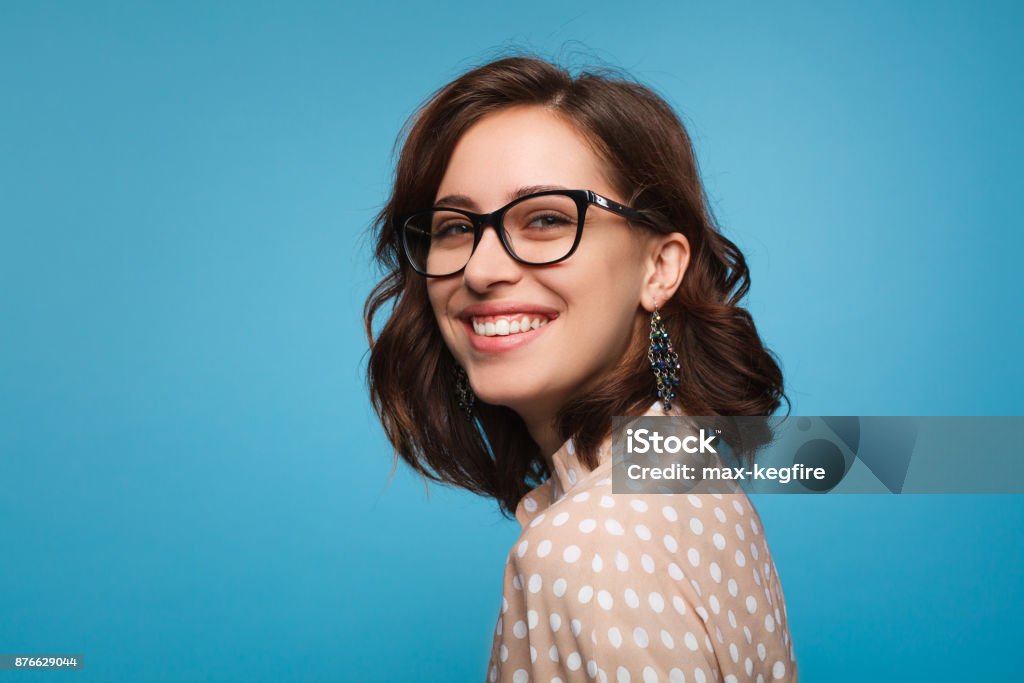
column 452, row 229
column 549, row 221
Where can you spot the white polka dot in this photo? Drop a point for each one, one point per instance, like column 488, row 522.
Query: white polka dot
column 632, row 599
column 696, row 586
column 517, row 582
column 732, row 619
column 734, row 652
column 613, row 527
column 679, row 604
column 532, row 618
column 642, row 532
column 585, row 594
column 570, row 447
column 676, row 676
column 604, row 599
column 614, row 637
column 607, row 502
column 670, row 543
column 699, row 676
column 575, row 626
column 741, row 559
column 504, row 605
column 592, row 668
column 754, row 527
column 778, row 670
column 695, row 501
column 691, row 641
column 519, row 630
column 666, row 639
column 538, row 519
column 503, row 653
column 588, row 525
column 573, row 661
column 553, row 653
column 733, row 587
column 622, row 675
column 751, row 604
column 572, row 477
column 693, row 556
column 638, row 505
column 737, row 507
column 675, row 572
column 748, row 666
column 753, row 551
column 560, row 519
column 714, row 604
column 747, row 635
column 571, row 554
column 559, row 587
column 731, row 678
column 535, row 583
column 670, row 513
column 521, row 550
column 544, row 548
column 702, row 612
column 656, row 602
column 719, row 541
column 696, row 526
column 530, row 504
column 640, row 636
column 761, row 651
column 621, row 561
column 720, row 515
column 650, row 675
column 494, row 674
column 739, row 532
column 581, row 497
column 716, row 572
column 597, row 564
column 769, row 623
column 647, row 562
column 555, row 621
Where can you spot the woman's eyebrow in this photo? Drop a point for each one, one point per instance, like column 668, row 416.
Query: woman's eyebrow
column 461, row 201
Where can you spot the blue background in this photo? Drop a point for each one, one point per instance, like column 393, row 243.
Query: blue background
column 192, row 484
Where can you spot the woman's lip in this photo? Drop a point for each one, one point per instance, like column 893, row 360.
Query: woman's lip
column 498, row 308
column 499, row 343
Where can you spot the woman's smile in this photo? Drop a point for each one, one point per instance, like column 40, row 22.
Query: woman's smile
column 502, row 326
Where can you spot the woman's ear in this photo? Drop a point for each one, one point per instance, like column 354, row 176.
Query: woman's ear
column 667, row 259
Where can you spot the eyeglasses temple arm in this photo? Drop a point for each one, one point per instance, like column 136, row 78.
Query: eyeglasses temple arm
column 613, row 205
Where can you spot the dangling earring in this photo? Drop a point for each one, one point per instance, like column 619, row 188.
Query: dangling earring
column 464, row 392
column 664, row 361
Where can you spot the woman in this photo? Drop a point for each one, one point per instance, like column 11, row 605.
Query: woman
column 546, row 238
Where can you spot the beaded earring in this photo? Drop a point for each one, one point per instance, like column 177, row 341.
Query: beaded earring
column 464, row 392
column 664, row 361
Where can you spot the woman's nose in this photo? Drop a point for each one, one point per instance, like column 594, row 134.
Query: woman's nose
column 490, row 264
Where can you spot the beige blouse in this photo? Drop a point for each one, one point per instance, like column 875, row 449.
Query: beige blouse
column 638, row 587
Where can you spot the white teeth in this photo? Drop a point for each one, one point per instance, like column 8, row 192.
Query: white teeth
column 504, row 326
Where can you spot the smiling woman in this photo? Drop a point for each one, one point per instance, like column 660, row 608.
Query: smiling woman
column 552, row 263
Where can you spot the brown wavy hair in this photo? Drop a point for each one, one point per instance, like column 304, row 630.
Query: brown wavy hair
column 726, row 370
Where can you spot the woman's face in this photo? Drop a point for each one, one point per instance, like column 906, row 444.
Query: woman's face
column 590, row 302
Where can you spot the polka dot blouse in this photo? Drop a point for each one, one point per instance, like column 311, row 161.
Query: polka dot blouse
column 631, row 587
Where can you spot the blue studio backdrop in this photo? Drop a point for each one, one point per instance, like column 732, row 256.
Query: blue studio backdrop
column 192, row 483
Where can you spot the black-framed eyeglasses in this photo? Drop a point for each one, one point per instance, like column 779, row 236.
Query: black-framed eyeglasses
column 538, row 229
